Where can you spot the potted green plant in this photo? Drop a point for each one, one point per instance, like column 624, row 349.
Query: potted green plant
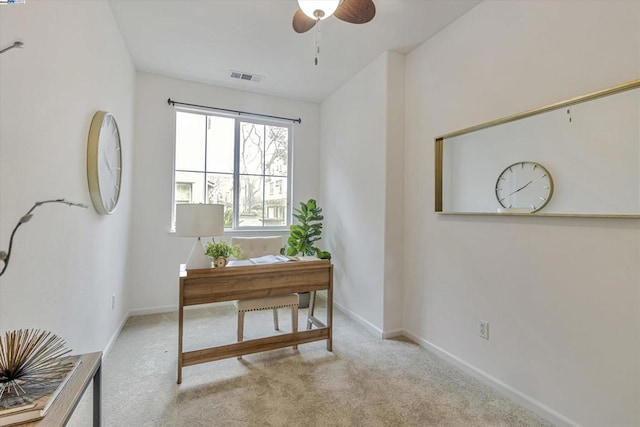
column 220, row 252
column 303, row 237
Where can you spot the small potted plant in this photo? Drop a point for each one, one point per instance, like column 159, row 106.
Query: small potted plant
column 220, row 252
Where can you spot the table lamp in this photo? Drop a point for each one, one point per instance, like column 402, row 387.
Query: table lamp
column 199, row 221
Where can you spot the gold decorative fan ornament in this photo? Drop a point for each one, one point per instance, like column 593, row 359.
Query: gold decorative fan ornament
column 30, row 357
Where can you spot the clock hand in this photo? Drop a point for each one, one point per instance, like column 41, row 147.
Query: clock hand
column 521, row 188
column 106, row 162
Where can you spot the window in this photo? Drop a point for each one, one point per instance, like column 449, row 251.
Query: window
column 184, row 191
column 241, row 163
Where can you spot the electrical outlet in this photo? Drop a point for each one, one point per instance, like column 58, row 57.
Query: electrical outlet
column 484, row 330
column 113, row 302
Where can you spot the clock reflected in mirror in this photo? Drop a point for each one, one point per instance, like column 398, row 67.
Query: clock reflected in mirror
column 524, row 187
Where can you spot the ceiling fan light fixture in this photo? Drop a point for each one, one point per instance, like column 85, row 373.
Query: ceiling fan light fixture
column 318, row 9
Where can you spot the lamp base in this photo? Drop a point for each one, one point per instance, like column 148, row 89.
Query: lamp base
column 197, row 258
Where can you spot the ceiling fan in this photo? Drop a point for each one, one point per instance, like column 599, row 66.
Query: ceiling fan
column 312, row 11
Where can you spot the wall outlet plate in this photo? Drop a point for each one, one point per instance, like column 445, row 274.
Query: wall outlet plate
column 484, row 329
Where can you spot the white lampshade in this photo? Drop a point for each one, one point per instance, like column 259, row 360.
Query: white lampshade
column 326, row 8
column 199, row 221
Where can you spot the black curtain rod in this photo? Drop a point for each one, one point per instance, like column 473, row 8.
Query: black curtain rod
column 174, row 103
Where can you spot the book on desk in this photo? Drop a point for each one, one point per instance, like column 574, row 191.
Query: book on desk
column 270, row 259
column 16, row 410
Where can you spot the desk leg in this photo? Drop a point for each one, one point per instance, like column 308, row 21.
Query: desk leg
column 97, row 397
column 330, row 311
column 180, row 327
column 312, row 308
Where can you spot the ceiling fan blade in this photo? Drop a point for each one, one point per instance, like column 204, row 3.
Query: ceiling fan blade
column 356, row 11
column 301, row 22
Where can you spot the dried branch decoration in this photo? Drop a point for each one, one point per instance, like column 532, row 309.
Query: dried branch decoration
column 31, row 357
column 4, row 256
column 15, row 44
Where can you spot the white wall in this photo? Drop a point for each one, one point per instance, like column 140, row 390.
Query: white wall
column 394, row 195
column 361, row 126
column 66, row 262
column 562, row 296
column 156, row 254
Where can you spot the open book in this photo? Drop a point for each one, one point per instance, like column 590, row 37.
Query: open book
column 20, row 409
column 270, row 259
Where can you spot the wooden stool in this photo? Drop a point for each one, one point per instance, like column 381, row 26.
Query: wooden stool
column 268, row 303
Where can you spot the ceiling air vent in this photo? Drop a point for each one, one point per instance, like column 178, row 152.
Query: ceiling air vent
column 246, row 76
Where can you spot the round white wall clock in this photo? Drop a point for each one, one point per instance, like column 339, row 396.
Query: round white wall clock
column 104, row 163
column 524, row 185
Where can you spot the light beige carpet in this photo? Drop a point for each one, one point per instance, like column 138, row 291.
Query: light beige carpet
column 365, row 381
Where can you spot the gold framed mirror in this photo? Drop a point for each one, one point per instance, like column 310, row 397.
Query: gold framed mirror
column 578, row 157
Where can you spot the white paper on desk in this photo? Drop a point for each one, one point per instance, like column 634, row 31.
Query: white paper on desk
column 269, row 259
column 239, row 263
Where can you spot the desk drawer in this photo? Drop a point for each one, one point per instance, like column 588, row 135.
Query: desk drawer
column 254, row 282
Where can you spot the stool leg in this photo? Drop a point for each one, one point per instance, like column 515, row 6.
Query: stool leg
column 294, row 321
column 275, row 319
column 312, row 308
column 240, row 328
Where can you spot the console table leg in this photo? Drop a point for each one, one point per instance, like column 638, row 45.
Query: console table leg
column 97, row 397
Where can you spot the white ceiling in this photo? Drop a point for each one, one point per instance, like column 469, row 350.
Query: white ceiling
column 202, row 40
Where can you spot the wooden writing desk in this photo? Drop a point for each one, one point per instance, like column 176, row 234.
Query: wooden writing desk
column 62, row 408
column 255, row 281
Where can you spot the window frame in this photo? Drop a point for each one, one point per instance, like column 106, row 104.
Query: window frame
column 238, row 119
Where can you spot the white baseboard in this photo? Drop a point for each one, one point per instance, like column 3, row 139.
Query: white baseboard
column 393, row 334
column 368, row 325
column 517, row 396
column 361, row 321
column 154, row 310
column 115, row 335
